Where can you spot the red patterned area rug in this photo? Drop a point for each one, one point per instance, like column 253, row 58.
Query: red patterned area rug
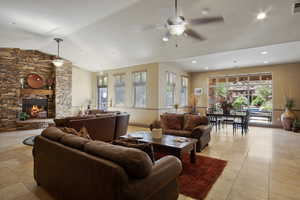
column 197, row 179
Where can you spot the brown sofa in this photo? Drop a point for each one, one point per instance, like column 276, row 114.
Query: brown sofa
column 72, row 167
column 104, row 128
column 187, row 125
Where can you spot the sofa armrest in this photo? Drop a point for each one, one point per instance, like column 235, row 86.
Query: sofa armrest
column 164, row 171
column 198, row 131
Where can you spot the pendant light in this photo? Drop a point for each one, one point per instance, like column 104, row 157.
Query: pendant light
column 58, row 62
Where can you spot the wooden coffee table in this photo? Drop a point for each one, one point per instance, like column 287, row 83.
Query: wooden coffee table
column 168, row 144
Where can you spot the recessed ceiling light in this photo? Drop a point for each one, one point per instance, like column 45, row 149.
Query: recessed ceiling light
column 194, row 61
column 264, row 52
column 205, row 11
column 261, row 16
column 165, row 39
column 266, row 62
column 12, row 23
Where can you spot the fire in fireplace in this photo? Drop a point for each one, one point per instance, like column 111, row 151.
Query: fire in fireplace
column 36, row 108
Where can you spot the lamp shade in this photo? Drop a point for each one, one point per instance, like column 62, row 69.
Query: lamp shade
column 58, row 62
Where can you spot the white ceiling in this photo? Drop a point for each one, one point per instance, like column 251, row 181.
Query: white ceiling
column 267, row 55
column 102, row 34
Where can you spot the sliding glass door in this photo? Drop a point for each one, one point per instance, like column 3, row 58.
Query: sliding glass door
column 251, row 92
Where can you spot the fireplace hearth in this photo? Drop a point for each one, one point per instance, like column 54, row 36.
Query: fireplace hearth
column 35, row 108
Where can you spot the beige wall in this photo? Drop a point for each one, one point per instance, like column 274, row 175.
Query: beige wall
column 286, row 82
column 82, row 88
column 156, row 75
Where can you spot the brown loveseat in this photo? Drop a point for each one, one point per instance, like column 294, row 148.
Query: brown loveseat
column 104, row 128
column 187, row 125
column 72, row 167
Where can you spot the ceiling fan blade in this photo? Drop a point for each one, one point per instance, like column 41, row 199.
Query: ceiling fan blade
column 149, row 27
column 206, row 20
column 194, row 34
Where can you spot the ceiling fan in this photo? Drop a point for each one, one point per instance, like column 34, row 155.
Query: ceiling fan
column 178, row 25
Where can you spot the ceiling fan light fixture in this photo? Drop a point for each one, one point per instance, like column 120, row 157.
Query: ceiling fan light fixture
column 177, row 29
column 261, row 16
column 165, row 39
column 264, row 52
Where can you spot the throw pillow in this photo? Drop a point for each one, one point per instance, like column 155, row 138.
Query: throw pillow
column 147, row 148
column 172, row 121
column 68, row 130
column 191, row 121
column 82, row 133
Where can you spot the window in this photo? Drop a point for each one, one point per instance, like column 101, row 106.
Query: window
column 102, row 92
column 184, row 91
column 119, row 89
column 139, row 89
column 170, row 88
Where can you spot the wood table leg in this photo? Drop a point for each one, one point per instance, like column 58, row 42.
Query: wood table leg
column 178, row 154
column 193, row 155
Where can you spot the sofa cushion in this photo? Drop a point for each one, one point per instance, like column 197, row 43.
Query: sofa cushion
column 135, row 162
column 172, row 121
column 191, row 121
column 74, row 141
column 145, row 147
column 53, row 133
column 182, row 133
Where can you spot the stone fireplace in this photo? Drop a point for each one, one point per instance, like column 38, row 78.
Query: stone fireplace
column 43, row 104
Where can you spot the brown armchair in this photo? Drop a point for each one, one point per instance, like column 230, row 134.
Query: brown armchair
column 186, row 125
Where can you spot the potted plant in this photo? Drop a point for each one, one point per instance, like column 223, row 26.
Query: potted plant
column 226, row 107
column 226, row 104
column 23, row 116
column 156, row 130
column 239, row 103
column 288, row 117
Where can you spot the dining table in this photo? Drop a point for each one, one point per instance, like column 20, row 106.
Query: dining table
column 218, row 117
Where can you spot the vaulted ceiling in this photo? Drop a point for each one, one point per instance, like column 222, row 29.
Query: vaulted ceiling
column 106, row 34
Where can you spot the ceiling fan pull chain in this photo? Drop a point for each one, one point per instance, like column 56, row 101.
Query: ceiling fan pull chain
column 58, row 49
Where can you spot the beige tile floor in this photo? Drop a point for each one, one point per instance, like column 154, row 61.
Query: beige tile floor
column 265, row 164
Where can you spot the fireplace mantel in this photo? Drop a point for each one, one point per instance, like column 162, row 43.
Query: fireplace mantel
column 36, row 91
